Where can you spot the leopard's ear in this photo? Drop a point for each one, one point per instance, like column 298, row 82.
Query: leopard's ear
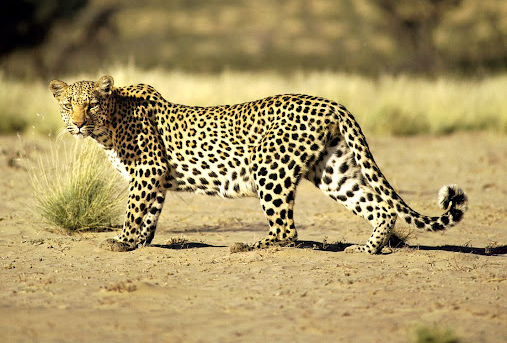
column 104, row 86
column 57, row 87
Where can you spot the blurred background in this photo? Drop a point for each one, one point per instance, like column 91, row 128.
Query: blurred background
column 366, row 40
column 47, row 37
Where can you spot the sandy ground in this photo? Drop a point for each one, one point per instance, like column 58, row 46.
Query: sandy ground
column 56, row 288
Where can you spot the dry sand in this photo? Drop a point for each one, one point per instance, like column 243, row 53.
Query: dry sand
column 56, row 288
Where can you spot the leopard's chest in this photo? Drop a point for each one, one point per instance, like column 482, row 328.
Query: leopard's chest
column 117, row 163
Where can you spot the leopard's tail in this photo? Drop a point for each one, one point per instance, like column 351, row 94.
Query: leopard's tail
column 451, row 198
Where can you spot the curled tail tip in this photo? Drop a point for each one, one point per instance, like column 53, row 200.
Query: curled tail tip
column 452, row 196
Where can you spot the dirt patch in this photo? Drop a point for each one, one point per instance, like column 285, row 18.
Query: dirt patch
column 188, row 287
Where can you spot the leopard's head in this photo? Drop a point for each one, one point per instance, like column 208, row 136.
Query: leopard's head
column 84, row 105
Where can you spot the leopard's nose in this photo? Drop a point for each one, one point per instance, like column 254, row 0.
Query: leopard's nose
column 79, row 124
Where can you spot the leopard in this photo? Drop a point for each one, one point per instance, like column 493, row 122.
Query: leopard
column 261, row 148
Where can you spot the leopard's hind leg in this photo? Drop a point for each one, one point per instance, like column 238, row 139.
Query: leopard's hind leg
column 279, row 162
column 338, row 176
column 277, row 189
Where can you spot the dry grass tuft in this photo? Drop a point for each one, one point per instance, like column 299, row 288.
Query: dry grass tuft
column 178, row 242
column 76, row 188
column 121, row 287
column 399, row 238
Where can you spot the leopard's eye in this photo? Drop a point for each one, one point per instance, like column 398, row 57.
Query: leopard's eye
column 67, row 105
column 94, row 104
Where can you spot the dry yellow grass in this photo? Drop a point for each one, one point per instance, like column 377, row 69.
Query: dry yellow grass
column 397, row 105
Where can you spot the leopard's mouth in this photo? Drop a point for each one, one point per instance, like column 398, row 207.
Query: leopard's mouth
column 83, row 131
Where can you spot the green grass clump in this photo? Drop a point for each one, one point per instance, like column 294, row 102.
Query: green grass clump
column 425, row 334
column 76, row 189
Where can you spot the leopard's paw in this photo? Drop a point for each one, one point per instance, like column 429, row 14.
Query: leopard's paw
column 240, row 247
column 355, row 249
column 115, row 245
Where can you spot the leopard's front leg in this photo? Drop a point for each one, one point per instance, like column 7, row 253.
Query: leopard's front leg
column 146, row 199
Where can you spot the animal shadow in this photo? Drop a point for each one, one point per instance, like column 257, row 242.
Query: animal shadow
column 487, row 251
column 395, row 242
column 185, row 245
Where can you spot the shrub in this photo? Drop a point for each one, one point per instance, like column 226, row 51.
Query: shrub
column 76, row 189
